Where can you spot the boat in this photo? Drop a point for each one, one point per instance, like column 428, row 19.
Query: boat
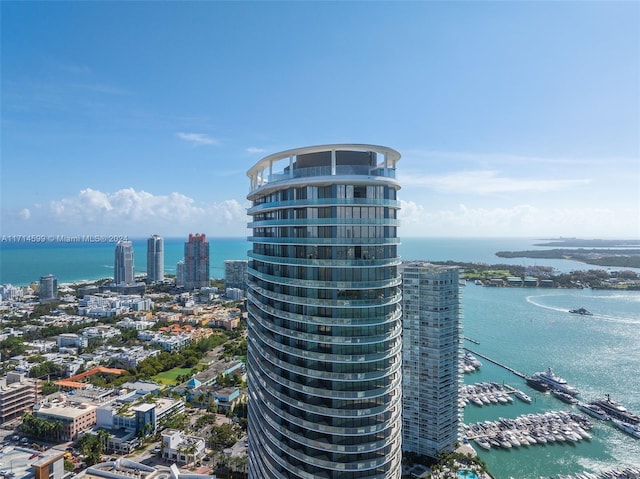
column 477, row 282
column 522, row 396
column 483, row 443
column 568, row 398
column 616, row 410
column 630, row 429
column 537, row 384
column 556, row 382
column 581, row 312
column 593, row 411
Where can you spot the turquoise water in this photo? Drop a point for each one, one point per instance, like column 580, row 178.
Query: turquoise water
column 531, row 329
column 528, row 329
column 23, row 263
column 467, row 474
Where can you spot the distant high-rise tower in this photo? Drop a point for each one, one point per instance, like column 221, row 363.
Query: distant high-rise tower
column 155, row 259
column 180, row 273
column 123, row 269
column 48, row 290
column 431, row 378
column 196, row 262
column 235, row 274
column 324, row 318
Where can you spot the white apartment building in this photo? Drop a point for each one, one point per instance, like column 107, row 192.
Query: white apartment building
column 324, row 316
column 431, row 377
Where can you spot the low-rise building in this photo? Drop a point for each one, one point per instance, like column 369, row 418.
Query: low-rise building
column 75, row 418
column 26, row 463
column 181, row 448
column 18, row 394
column 123, row 468
column 72, row 340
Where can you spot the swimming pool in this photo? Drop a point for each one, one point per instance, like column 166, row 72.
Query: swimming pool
column 467, row 474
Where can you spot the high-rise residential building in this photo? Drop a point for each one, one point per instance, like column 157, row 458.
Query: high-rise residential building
column 235, row 274
column 48, row 290
column 155, row 259
column 324, row 317
column 431, row 325
column 123, row 269
column 196, row 262
column 180, row 273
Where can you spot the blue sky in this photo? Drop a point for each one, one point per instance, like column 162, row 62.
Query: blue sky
column 512, row 118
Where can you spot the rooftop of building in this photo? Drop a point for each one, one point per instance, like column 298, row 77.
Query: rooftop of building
column 16, row 461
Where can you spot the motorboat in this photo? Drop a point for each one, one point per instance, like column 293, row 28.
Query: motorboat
column 522, row 396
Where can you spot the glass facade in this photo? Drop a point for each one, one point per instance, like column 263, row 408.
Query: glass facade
column 432, row 330
column 324, row 317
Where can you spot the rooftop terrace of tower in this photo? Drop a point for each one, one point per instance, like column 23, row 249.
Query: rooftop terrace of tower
column 325, row 160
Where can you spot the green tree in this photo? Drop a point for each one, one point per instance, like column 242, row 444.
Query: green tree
column 223, row 436
column 91, row 447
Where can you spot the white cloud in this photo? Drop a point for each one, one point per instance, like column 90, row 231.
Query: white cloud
column 197, row 138
column 133, row 212
column 254, row 150
column 518, row 220
column 485, row 182
column 25, row 214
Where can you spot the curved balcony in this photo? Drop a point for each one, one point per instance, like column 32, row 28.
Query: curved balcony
column 366, row 448
column 312, row 283
column 325, row 463
column 330, row 358
column 278, row 457
column 324, row 222
column 323, row 241
column 331, row 303
column 308, row 319
column 392, row 407
column 312, row 202
column 328, row 339
column 326, row 263
column 299, row 421
column 316, row 374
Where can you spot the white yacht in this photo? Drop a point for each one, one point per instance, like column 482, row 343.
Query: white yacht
column 594, row 411
column 556, row 382
column 630, row 429
column 522, row 396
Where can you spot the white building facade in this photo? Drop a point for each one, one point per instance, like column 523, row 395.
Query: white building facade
column 324, row 317
column 123, row 265
column 432, row 332
column 155, row 259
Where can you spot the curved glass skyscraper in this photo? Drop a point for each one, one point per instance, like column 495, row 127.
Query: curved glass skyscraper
column 324, row 353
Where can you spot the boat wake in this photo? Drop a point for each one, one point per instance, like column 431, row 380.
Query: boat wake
column 605, row 317
column 531, row 300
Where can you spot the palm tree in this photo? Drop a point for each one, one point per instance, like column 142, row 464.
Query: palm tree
column 103, row 439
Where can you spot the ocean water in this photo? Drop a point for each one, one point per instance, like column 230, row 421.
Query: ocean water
column 22, row 263
column 530, row 330
column 527, row 329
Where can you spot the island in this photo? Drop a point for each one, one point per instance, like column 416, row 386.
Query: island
column 614, row 253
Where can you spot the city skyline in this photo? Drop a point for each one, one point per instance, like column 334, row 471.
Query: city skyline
column 512, row 118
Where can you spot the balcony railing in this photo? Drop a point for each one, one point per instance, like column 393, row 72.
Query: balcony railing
column 342, row 170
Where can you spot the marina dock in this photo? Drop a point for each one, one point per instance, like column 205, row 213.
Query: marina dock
column 504, row 366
